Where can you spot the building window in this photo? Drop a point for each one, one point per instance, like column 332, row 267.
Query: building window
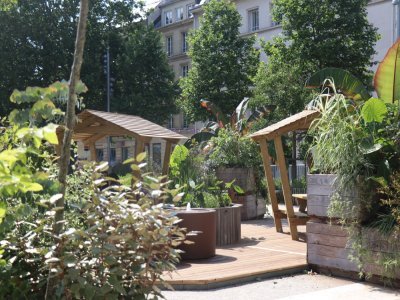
column 185, row 70
column 185, row 122
column 125, row 153
column 189, row 8
column 157, row 154
column 254, row 23
column 169, row 45
column 113, row 155
column 100, row 154
column 168, row 17
column 184, row 42
column 170, row 124
column 179, row 13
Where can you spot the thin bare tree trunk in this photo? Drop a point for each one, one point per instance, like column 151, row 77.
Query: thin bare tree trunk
column 294, row 155
column 69, row 127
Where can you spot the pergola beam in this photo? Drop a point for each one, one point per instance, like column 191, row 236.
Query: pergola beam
column 93, row 138
column 287, row 194
column 271, row 185
column 167, row 155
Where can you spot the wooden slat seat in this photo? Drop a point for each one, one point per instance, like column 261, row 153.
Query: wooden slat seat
column 302, row 201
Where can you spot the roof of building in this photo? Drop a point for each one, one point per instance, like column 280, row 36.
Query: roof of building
column 299, row 121
column 96, row 123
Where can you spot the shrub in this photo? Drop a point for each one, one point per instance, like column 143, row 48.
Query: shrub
column 116, row 244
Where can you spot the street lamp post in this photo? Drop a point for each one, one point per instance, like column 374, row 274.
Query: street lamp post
column 397, row 4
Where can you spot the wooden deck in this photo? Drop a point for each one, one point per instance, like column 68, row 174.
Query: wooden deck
column 261, row 253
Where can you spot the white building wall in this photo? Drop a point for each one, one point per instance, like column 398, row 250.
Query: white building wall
column 382, row 15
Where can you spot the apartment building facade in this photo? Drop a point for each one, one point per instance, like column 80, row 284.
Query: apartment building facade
column 175, row 18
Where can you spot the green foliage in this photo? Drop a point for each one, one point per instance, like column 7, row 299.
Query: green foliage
column 190, row 172
column 7, row 4
column 230, row 149
column 37, row 39
column 241, row 121
column 386, row 81
column 374, row 110
column 223, row 63
column 145, row 81
column 388, row 220
column 216, row 200
column 347, row 83
column 360, row 142
column 315, row 36
column 117, row 243
column 316, row 32
column 280, row 82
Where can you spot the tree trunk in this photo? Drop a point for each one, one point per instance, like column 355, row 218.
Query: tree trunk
column 68, row 130
column 294, row 156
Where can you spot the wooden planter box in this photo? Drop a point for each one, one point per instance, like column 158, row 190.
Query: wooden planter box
column 244, row 177
column 328, row 249
column 320, row 187
column 319, row 190
column 252, row 207
column 228, row 225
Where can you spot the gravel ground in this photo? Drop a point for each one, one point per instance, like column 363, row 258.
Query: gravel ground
column 302, row 286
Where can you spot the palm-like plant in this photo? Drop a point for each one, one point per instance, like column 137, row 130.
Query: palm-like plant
column 241, row 120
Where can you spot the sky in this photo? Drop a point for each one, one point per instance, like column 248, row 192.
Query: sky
column 151, row 3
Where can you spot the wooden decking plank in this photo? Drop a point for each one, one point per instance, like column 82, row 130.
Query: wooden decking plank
column 261, row 251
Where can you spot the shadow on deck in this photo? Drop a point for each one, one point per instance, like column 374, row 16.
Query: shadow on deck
column 262, row 253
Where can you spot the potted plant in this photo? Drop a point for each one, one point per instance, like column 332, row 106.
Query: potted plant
column 233, row 155
column 357, row 138
column 202, row 190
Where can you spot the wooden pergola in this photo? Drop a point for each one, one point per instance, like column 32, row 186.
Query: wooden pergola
column 93, row 125
column 299, row 121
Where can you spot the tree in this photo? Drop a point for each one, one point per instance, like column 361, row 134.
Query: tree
column 70, row 119
column 329, row 33
column 37, row 44
column 145, row 82
column 223, row 63
column 316, row 34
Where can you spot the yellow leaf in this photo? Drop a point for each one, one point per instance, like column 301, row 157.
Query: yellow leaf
column 141, row 156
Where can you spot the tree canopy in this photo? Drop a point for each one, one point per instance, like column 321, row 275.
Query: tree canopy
column 329, row 33
column 316, row 34
column 145, row 82
column 37, row 39
column 223, row 63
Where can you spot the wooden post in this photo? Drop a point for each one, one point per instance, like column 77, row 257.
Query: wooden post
column 139, row 146
column 287, row 194
column 167, row 155
column 271, row 184
column 93, row 154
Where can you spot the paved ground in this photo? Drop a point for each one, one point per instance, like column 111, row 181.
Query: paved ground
column 295, row 287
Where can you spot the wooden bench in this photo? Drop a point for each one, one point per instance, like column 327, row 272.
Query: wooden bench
column 302, row 201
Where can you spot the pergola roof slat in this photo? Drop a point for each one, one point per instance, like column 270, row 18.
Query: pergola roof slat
column 299, row 121
column 93, row 121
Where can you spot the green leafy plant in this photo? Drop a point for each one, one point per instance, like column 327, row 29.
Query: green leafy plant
column 230, row 149
column 241, row 120
column 357, row 138
column 117, row 243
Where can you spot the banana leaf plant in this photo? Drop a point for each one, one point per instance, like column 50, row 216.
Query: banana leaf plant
column 380, row 116
column 386, row 79
column 241, row 120
column 344, row 82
